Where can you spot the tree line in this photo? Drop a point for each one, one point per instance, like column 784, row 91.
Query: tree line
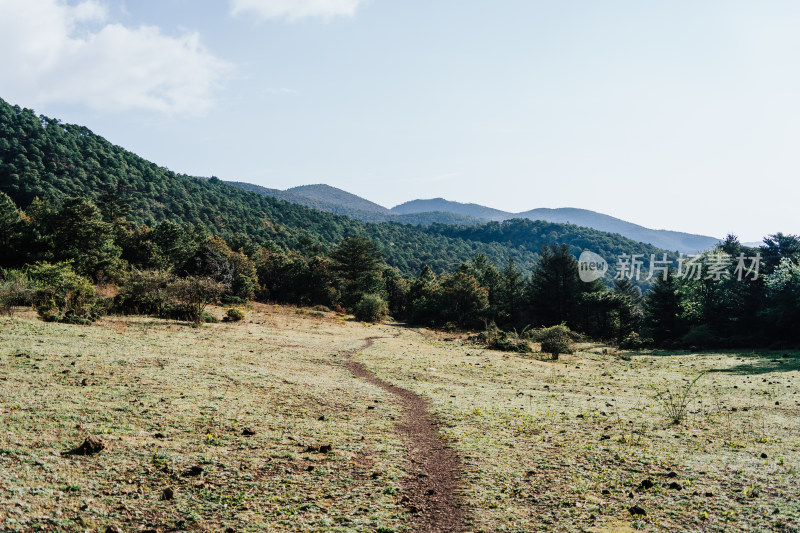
column 57, row 254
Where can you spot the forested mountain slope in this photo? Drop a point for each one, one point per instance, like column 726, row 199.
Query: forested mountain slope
column 42, row 157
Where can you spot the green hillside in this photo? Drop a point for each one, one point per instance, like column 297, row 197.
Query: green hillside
column 42, row 157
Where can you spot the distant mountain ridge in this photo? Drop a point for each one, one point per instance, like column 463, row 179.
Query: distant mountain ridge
column 439, row 210
column 332, row 200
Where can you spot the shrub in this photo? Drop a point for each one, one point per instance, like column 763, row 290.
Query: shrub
column 145, row 292
column 61, row 295
column 700, row 337
column 193, row 294
column 15, row 290
column 633, row 341
column 506, row 341
column 234, row 314
column 371, row 308
column 556, row 340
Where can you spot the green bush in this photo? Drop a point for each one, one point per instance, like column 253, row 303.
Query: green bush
column 145, row 292
column 193, row 294
column 61, row 295
column 234, row 314
column 700, row 337
column 633, row 341
column 15, row 289
column 556, row 340
column 371, row 308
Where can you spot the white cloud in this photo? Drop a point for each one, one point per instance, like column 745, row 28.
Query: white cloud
column 54, row 52
column 296, row 9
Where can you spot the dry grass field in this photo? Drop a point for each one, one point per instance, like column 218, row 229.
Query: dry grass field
column 570, row 445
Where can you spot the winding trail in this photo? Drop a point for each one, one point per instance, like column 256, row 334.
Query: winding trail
column 431, row 485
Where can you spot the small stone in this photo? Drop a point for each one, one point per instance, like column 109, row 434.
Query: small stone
column 637, row 510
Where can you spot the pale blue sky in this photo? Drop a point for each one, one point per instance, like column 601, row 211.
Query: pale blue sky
column 678, row 115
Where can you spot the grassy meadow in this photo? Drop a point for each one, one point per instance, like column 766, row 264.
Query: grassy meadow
column 257, row 426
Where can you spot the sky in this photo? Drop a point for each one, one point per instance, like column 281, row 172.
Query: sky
column 679, row 115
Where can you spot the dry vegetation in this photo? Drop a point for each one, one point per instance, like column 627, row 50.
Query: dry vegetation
column 565, row 445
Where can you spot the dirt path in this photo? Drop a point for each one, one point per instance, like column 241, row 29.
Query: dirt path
column 431, row 486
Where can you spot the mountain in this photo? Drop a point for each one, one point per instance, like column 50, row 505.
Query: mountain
column 333, row 200
column 41, row 157
column 439, row 210
column 332, row 195
column 668, row 240
column 440, row 204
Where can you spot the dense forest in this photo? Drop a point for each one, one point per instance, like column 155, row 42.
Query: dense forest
column 43, row 158
column 88, row 228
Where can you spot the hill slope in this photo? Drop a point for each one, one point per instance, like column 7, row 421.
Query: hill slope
column 332, row 195
column 42, row 157
column 669, row 240
column 440, row 204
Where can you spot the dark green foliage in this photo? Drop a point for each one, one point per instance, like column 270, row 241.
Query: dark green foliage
column 61, row 295
column 462, row 300
column 662, row 310
column 555, row 291
column 357, row 267
column 700, row 337
column 11, row 227
column 396, row 288
column 370, row 308
column 535, row 234
column 782, row 312
column 555, row 340
column 145, row 292
column 423, row 298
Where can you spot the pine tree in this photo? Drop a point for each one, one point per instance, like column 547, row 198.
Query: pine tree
column 662, row 310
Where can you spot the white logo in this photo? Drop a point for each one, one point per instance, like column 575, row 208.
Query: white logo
column 591, row 266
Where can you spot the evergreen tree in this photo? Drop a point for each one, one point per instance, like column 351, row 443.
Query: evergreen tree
column 11, row 225
column 662, row 310
column 555, row 289
column 357, row 265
